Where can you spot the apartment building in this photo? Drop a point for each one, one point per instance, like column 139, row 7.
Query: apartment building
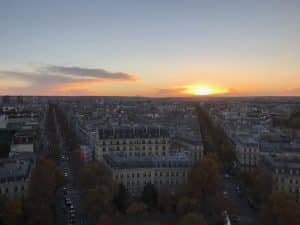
column 132, row 141
column 23, row 141
column 15, row 174
column 285, row 169
column 247, row 152
column 192, row 146
column 164, row 172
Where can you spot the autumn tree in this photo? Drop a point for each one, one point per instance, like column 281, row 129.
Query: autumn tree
column 166, row 200
column 204, row 179
column 230, row 206
column 121, row 198
column 42, row 192
column 259, row 184
column 149, row 195
column 136, row 208
column 215, row 139
column 192, row 219
column 98, row 201
column 76, row 161
column 43, row 180
column 186, row 205
column 60, row 179
column 281, row 209
column 13, row 213
column 94, row 174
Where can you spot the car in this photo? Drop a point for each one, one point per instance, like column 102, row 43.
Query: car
column 235, row 219
column 252, row 204
column 68, row 202
column 72, row 211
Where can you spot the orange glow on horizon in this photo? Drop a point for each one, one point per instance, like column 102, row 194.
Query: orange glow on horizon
column 204, row 90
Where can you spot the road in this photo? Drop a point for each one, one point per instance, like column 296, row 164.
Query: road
column 245, row 214
column 69, row 209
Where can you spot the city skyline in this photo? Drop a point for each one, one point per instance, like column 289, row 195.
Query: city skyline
column 155, row 49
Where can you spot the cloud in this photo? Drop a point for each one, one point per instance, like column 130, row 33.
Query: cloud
column 50, row 79
column 171, row 92
column 87, row 72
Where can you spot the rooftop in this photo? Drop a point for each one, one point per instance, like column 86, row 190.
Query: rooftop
column 133, row 132
column 11, row 169
column 124, row 162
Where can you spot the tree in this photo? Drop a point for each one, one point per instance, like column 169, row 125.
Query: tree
column 259, row 183
column 76, row 161
column 204, row 180
column 40, row 213
column 13, row 213
column 43, row 180
column 121, row 199
column 281, row 209
column 149, row 195
column 98, row 201
column 136, row 208
column 230, row 206
column 3, row 201
column 61, row 180
column 186, row 205
column 41, row 193
column 95, row 174
column 192, row 219
column 166, row 200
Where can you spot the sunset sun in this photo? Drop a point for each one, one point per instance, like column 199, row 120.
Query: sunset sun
column 204, row 90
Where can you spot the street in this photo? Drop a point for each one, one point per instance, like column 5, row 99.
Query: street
column 245, row 214
column 69, row 209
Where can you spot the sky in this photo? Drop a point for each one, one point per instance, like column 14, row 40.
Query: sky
column 150, row 48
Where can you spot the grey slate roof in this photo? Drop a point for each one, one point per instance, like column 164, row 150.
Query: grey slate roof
column 123, row 162
column 133, row 132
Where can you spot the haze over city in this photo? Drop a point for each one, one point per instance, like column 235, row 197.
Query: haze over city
column 149, row 112
column 150, row 48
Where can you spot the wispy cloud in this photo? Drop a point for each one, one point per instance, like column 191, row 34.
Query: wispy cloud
column 87, row 72
column 165, row 92
column 49, row 78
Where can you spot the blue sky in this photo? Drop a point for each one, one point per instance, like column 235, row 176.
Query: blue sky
column 165, row 44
